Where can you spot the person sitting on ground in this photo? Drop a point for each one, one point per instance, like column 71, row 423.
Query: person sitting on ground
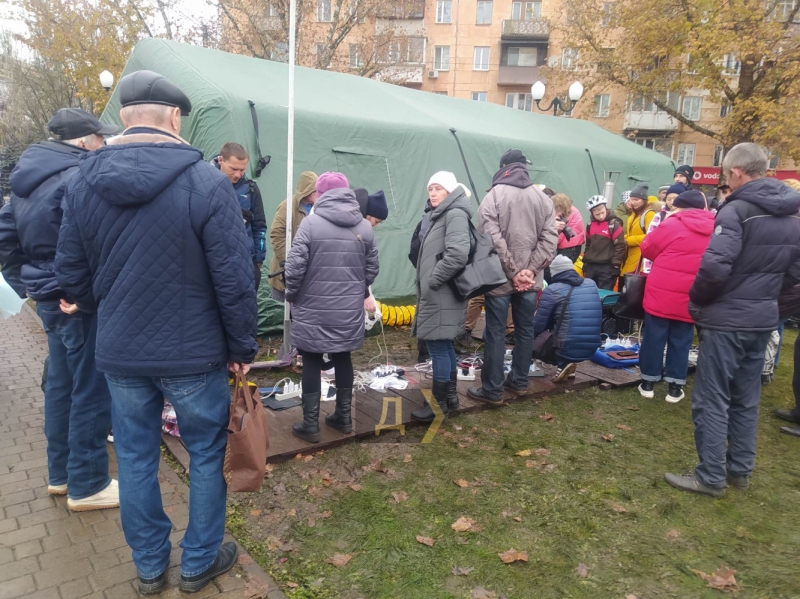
column 569, row 224
column 232, row 161
column 605, row 244
column 305, row 194
column 570, row 308
column 643, row 211
column 440, row 312
column 675, row 248
column 332, row 263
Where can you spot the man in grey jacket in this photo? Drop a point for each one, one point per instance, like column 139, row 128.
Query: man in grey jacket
column 521, row 221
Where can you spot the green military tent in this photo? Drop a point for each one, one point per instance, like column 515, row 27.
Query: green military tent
column 382, row 136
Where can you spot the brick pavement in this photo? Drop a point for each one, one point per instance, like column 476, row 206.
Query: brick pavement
column 45, row 550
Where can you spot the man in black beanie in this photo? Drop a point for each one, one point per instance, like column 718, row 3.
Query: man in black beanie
column 684, row 174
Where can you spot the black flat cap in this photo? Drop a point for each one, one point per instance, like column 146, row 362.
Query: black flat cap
column 513, row 156
column 147, row 87
column 74, row 123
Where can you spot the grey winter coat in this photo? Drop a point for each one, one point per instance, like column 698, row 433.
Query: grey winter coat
column 333, row 259
column 444, row 252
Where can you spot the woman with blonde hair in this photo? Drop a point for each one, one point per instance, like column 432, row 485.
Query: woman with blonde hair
column 570, row 227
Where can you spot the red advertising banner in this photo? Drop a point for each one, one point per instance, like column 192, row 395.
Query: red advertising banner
column 709, row 175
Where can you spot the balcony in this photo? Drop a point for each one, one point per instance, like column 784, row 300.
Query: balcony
column 400, row 9
column 508, row 75
column 650, row 121
column 533, row 29
column 401, row 74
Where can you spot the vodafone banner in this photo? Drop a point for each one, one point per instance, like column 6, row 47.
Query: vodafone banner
column 709, row 175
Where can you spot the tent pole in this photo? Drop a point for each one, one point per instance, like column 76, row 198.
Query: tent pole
column 287, row 343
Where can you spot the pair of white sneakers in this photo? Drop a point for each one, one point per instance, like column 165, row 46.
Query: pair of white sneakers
column 102, row 500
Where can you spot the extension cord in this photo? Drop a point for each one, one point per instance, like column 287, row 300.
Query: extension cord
column 469, row 376
column 381, row 371
column 290, row 390
column 535, row 370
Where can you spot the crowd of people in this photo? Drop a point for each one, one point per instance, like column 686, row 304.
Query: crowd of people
column 144, row 260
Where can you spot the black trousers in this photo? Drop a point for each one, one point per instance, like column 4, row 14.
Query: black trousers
column 312, row 370
column 257, row 272
column 796, row 378
column 604, row 275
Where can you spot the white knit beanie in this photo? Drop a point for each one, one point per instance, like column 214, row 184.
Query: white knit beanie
column 448, row 182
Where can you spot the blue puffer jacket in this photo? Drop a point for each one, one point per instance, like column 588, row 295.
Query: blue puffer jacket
column 29, row 223
column 755, row 238
column 155, row 235
column 579, row 335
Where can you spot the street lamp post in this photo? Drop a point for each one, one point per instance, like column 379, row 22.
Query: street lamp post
column 107, row 80
column 575, row 93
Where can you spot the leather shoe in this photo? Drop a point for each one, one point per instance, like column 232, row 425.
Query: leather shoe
column 151, row 586
column 794, row 431
column 226, row 559
column 479, row 394
column 788, row 416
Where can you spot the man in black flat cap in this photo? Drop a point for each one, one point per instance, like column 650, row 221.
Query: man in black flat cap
column 154, row 235
column 77, row 403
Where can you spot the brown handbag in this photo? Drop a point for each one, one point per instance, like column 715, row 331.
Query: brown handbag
column 246, row 453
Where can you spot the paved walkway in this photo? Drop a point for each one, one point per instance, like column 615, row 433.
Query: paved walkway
column 45, row 550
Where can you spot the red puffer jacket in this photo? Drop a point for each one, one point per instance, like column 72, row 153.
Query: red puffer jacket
column 676, row 248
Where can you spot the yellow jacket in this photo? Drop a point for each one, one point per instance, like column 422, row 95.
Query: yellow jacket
column 635, row 232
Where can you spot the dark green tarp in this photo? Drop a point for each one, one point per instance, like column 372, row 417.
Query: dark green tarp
column 382, row 136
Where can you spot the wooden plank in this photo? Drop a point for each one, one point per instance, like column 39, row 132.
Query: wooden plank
column 617, row 377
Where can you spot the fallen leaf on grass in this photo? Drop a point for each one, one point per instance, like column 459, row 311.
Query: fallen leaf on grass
column 244, row 559
column 312, row 522
column 512, row 555
column 407, row 459
column 542, row 451
column 608, row 438
column 324, row 515
column 461, row 483
column 339, row 560
column 631, row 596
column 673, row 534
column 722, row 580
column 461, row 571
column 308, row 458
column 355, row 487
column 547, row 417
column 550, row 467
column 377, row 466
column 463, row 524
column 582, row 571
column 618, row 508
column 525, row 452
column 624, row 427
column 517, row 519
column 315, row 491
column 292, row 585
column 481, row 593
column 256, row 589
column 425, row 540
column 457, row 428
column 291, row 513
column 269, row 468
column 255, row 513
column 534, row 463
column 273, row 543
column 634, row 408
column 399, row 496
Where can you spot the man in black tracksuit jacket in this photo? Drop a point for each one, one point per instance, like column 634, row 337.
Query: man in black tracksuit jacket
column 734, row 302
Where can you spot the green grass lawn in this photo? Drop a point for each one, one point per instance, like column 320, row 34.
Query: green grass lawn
column 600, row 503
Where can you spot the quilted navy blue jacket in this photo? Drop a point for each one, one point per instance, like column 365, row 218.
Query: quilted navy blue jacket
column 755, row 238
column 579, row 335
column 155, row 236
column 29, row 223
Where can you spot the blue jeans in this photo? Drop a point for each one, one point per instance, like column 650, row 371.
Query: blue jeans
column 202, row 404
column 77, row 405
column 443, row 358
column 677, row 337
column 523, row 308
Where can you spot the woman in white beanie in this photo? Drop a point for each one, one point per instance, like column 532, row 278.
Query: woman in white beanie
column 444, row 251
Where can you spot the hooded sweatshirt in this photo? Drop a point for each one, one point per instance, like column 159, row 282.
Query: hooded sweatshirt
column 155, row 236
column 635, row 232
column 30, row 222
column 756, row 236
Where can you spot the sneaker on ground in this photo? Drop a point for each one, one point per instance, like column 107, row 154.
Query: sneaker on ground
column 740, row 482
column 646, row 389
column 690, row 482
column 102, row 500
column 675, row 393
column 57, row 489
column 226, row 559
column 568, row 371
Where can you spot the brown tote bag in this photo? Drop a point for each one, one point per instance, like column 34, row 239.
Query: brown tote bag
column 246, row 453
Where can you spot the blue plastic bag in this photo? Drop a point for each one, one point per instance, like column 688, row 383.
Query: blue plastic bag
column 601, row 357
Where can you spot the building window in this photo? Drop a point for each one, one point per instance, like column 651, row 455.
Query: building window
column 271, row 10
column 608, row 14
column 601, row 105
column 662, row 145
column 481, row 59
column 441, row 58
column 280, row 52
column 484, row 16
column 356, row 13
column 731, row 66
column 479, row 96
column 393, row 53
column 782, row 10
column 356, row 57
column 526, row 11
column 324, row 13
column 416, row 50
column 523, row 56
column 724, row 108
column 719, row 153
column 444, row 11
column 647, row 104
column 569, row 58
column 691, row 108
column 685, row 154
column 519, row 101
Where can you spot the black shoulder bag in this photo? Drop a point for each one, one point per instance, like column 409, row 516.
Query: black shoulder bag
column 483, row 271
column 546, row 342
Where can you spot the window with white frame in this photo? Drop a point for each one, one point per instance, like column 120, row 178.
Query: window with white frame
column 647, row 103
column 522, row 56
column 783, row 8
column 324, row 12
column 719, row 154
column 685, row 154
column 569, row 58
column 690, row 67
column 480, row 60
column 444, row 11
column 484, row 16
column 479, row 96
column 662, row 145
column 526, row 11
column 724, row 108
column 393, row 52
column 691, row 108
column 519, row 101
column 358, row 13
column 441, row 58
column 271, row 10
column 608, row 14
column 416, row 50
column 731, row 66
column 602, row 102
column 356, row 56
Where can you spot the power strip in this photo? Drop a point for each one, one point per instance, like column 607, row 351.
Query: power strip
column 535, row 370
column 290, row 390
column 388, row 370
column 468, row 376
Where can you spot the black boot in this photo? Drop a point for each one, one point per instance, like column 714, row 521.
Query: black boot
column 308, row 430
column 439, row 390
column 341, row 419
column 452, row 393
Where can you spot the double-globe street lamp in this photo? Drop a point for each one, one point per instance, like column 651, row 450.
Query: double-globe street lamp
column 575, row 93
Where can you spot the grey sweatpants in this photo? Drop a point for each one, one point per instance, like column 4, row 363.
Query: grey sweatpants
column 725, row 400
